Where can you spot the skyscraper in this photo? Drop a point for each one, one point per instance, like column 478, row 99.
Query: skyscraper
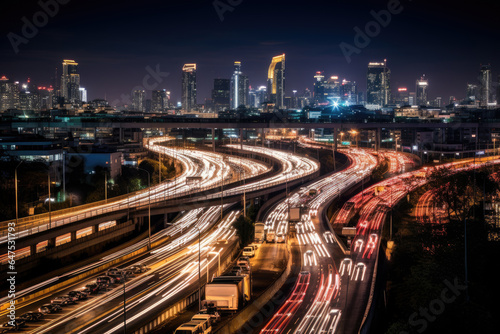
column 239, row 87
column 221, row 94
column 276, row 81
column 378, row 79
column 70, row 82
column 472, row 94
column 160, row 100
column 402, row 96
column 139, row 100
column 83, row 94
column 486, row 90
column 422, row 85
column 9, row 94
column 189, row 87
column 349, row 92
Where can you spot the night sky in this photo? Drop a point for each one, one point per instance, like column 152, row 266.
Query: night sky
column 114, row 41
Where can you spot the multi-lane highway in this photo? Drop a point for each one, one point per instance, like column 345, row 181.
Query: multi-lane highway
column 309, row 306
column 174, row 264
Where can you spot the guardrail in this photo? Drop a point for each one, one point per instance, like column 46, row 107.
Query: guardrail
column 145, row 202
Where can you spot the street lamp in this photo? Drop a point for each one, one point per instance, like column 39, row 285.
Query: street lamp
column 149, row 206
column 341, row 138
column 355, row 134
column 124, row 305
column 15, row 187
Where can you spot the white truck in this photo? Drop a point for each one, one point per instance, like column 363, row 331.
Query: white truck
column 270, row 236
column 259, row 232
column 226, row 297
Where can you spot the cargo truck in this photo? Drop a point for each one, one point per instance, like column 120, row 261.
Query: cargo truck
column 259, row 232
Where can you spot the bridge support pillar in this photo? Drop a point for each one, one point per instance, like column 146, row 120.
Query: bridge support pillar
column 73, row 235
column 33, row 249
column 335, row 134
column 51, row 243
column 213, row 139
column 378, row 134
column 262, row 136
column 121, row 134
column 95, row 228
column 241, row 138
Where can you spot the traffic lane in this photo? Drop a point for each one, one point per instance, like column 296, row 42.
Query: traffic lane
column 267, row 265
column 160, row 295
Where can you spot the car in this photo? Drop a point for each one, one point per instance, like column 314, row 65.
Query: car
column 78, row 295
column 280, row 238
column 92, row 287
column 235, row 272
column 117, row 276
column 240, row 268
column 244, row 265
column 105, row 279
column 15, row 325
column 112, row 270
column 62, row 300
column 83, row 290
column 221, row 242
column 49, row 308
column 373, row 237
column 138, row 268
column 32, row 316
column 248, row 251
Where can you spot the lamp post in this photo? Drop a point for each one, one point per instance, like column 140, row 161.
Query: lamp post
column 15, row 187
column 124, row 305
column 149, row 206
column 199, row 267
column 355, row 133
column 341, row 137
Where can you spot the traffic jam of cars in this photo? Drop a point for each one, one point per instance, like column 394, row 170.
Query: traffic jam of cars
column 102, row 283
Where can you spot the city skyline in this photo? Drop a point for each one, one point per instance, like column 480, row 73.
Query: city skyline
column 436, row 48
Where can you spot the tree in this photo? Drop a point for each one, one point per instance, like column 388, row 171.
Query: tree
column 460, row 191
column 245, row 229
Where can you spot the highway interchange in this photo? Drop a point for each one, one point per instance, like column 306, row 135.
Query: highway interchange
column 333, row 282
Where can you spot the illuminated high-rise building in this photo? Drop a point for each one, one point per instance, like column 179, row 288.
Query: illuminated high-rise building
column 83, row 94
column 9, row 94
column 70, row 82
column 221, row 94
column 402, row 97
column 139, row 100
column 472, row 93
column 421, row 88
column 486, row 89
column 239, row 87
column 378, row 79
column 189, row 87
column 160, row 100
column 276, row 82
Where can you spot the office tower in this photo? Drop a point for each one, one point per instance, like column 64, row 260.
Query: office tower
column 276, row 82
column 498, row 90
column 139, row 100
column 438, row 102
column 160, row 100
column 319, row 87
column 239, row 87
column 83, row 95
column 189, row 87
column 9, row 94
column 46, row 95
column 221, row 94
column 402, row 97
column 485, row 78
column 472, row 93
column 422, row 85
column 70, row 82
column 257, row 96
column 378, row 84
column 349, row 92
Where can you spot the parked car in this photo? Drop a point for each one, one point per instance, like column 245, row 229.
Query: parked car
column 49, row 308
column 32, row 316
